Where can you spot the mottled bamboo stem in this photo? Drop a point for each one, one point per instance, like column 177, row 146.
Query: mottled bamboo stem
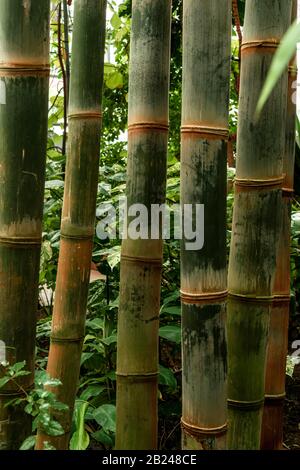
column 206, row 75
column 79, row 207
column 256, row 221
column 24, row 76
column 272, row 425
column 141, row 261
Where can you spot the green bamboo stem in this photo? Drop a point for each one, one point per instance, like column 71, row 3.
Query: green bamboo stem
column 78, row 217
column 272, row 425
column 141, row 262
column 24, row 76
column 206, row 75
column 256, row 221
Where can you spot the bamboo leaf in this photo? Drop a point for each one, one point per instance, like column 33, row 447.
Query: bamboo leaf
column 281, row 60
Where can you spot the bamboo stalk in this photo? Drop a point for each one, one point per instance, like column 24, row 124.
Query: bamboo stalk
column 78, row 217
column 24, row 76
column 141, row 261
column 256, row 221
column 272, row 427
column 205, row 109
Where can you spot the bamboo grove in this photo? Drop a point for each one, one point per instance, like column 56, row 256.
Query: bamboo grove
column 235, row 301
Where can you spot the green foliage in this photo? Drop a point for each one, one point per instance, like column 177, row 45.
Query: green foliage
column 80, row 438
column 280, row 62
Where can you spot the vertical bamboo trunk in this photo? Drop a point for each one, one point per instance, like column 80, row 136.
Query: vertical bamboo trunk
column 141, row 262
column 78, row 217
column 256, row 221
column 272, row 426
column 206, row 75
column 24, row 75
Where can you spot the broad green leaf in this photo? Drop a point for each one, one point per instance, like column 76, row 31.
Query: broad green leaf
column 85, row 356
column 109, row 340
column 176, row 310
column 171, row 333
column 29, row 443
column 54, row 428
column 91, row 391
column 53, row 184
column 280, row 62
column 105, row 416
column 80, row 438
column 103, row 437
column 115, row 21
column 166, row 377
column 4, row 381
column 114, row 80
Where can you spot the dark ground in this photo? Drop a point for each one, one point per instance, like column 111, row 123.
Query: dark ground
column 292, row 411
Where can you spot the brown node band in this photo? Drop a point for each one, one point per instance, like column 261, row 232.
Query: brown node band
column 148, row 125
column 140, row 259
column 56, row 339
column 204, row 297
column 263, row 44
column 275, row 398
column 20, row 241
column 260, row 184
column 199, row 431
column 288, row 192
column 78, row 237
column 85, row 115
column 16, row 393
column 11, row 69
column 246, row 405
column 138, row 377
column 284, row 298
column 293, row 69
column 251, row 298
column 206, row 131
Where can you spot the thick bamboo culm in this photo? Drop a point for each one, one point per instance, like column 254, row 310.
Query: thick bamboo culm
column 141, row 260
column 205, row 111
column 272, row 425
column 79, row 207
column 24, row 77
column 256, row 221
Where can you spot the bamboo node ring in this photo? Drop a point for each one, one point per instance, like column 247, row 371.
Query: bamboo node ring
column 246, row 405
column 288, row 192
column 148, row 125
column 293, row 69
column 11, row 69
column 15, row 241
column 85, row 115
column 141, row 259
column 16, row 393
column 284, row 298
column 202, row 297
column 199, row 431
column 206, row 131
column 79, row 237
column 138, row 376
column 56, row 339
column 260, row 183
column 260, row 44
column 251, row 298
column 275, row 398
